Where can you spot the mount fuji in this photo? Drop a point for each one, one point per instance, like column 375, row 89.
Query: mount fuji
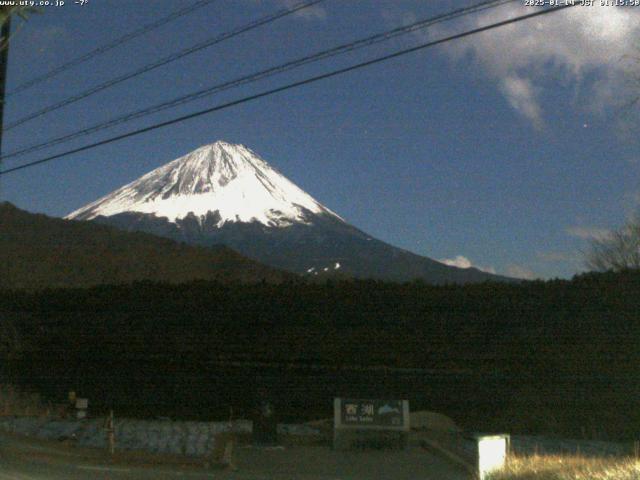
column 226, row 194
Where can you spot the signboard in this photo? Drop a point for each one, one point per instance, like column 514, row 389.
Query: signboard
column 366, row 413
column 356, row 419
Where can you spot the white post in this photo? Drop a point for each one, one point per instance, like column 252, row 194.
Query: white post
column 111, row 432
column 492, row 453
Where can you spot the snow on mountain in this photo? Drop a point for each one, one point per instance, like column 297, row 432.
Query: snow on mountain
column 220, row 177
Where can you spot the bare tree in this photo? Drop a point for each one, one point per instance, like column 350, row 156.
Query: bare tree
column 619, row 250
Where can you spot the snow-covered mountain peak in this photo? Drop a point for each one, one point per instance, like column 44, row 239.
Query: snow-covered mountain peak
column 220, row 177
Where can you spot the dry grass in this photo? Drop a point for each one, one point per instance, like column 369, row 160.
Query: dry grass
column 556, row 467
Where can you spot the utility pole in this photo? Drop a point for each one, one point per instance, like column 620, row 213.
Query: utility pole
column 4, row 58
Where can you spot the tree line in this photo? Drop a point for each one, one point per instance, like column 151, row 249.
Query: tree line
column 539, row 356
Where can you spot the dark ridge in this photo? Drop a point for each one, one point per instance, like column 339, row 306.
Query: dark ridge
column 38, row 252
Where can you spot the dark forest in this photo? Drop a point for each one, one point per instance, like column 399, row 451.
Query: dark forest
column 537, row 357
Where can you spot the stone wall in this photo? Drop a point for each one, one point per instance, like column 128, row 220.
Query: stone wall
column 156, row 436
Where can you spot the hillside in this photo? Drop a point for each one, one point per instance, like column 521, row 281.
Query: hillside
column 37, row 252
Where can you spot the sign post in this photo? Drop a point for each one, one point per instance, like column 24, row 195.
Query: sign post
column 82, row 404
column 110, row 427
column 356, row 420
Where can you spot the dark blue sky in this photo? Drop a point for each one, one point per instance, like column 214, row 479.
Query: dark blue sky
column 507, row 150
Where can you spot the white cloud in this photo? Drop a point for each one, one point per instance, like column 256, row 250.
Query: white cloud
column 521, row 96
column 588, row 48
column 588, row 233
column 512, row 270
column 461, row 261
column 518, row 271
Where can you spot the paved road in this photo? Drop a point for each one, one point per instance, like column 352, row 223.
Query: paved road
column 28, row 459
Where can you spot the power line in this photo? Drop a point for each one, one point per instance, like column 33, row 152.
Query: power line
column 260, row 75
column 289, row 86
column 164, row 61
column 110, row 46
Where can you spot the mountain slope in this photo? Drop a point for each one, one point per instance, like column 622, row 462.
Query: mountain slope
column 225, row 194
column 37, row 251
